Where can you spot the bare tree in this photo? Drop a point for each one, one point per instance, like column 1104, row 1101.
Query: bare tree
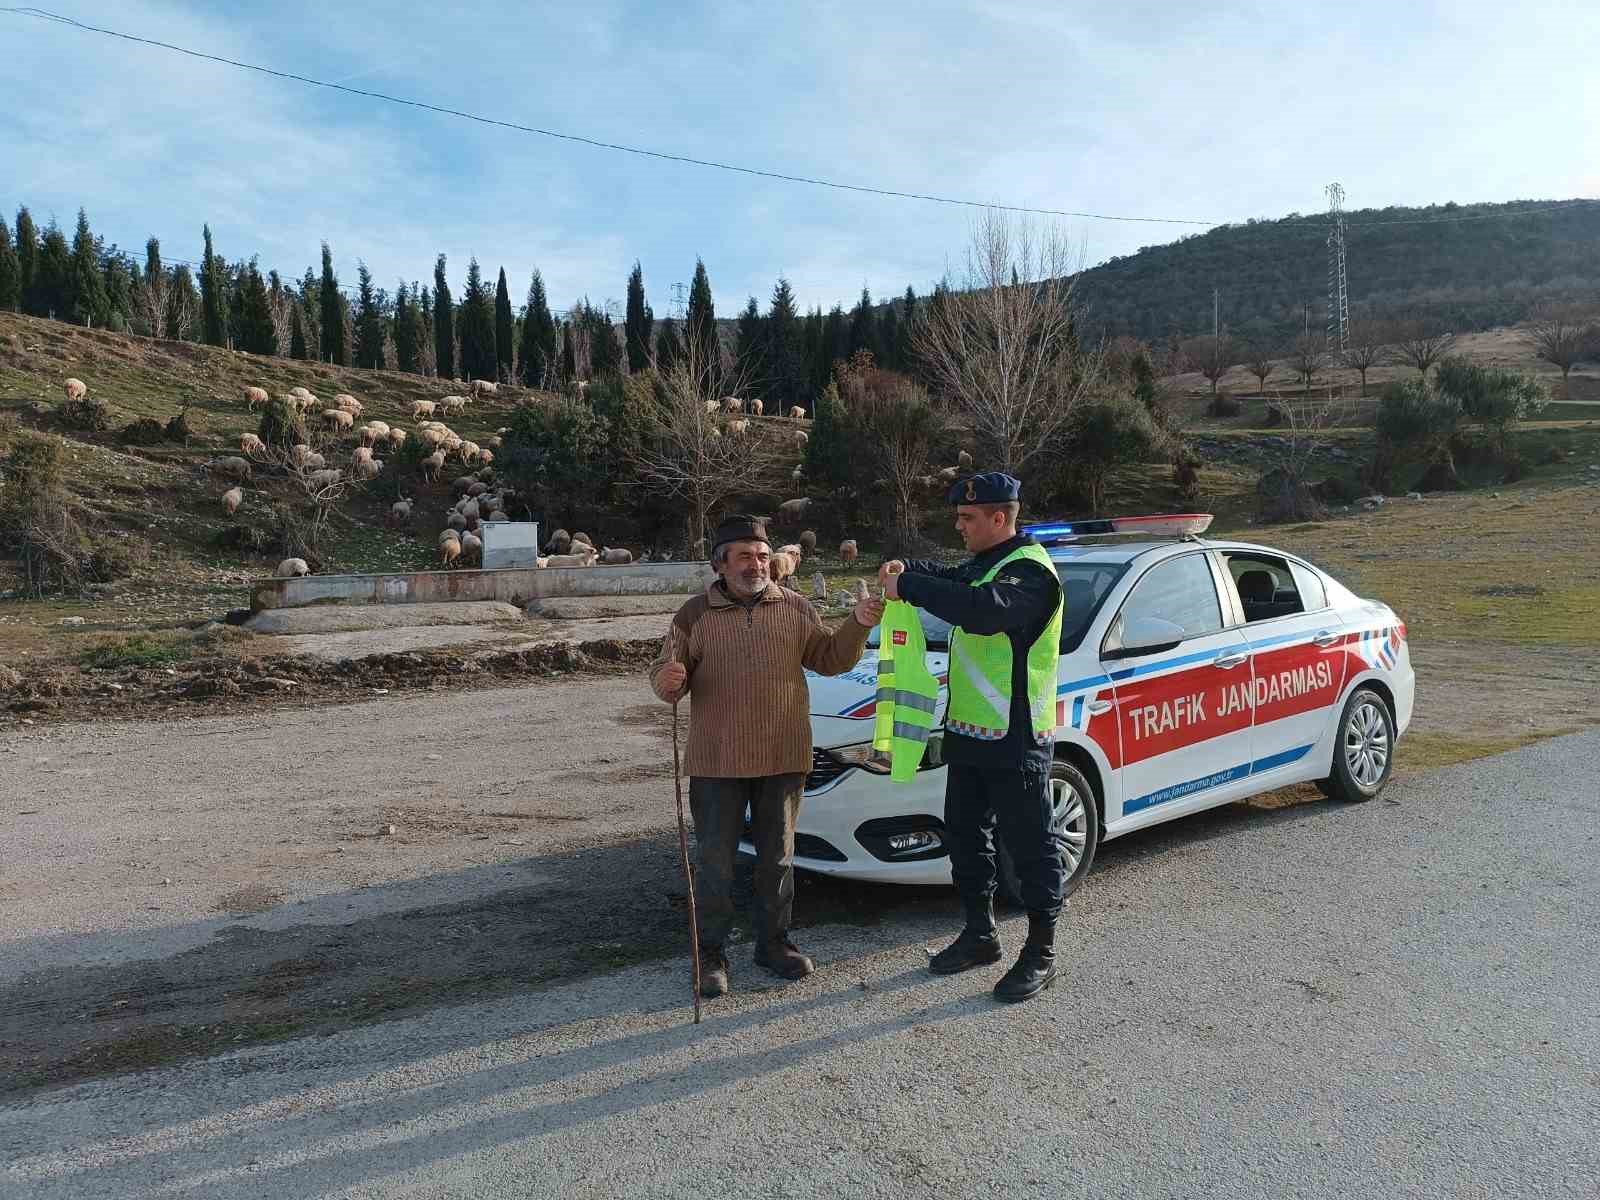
column 1285, row 490
column 896, row 429
column 1309, row 358
column 1004, row 349
column 1213, row 357
column 151, row 301
column 1368, row 342
column 1421, row 341
column 1562, row 337
column 1259, row 362
column 689, row 452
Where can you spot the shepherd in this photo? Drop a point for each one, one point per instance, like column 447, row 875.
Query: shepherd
column 740, row 650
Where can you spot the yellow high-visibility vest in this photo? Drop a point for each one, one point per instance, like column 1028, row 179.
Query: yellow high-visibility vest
column 908, row 693
column 980, row 670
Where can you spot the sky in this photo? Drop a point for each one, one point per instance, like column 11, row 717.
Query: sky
column 1218, row 112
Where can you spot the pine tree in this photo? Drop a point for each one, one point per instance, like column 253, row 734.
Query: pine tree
column 701, row 330
column 569, row 354
column 27, row 259
column 297, row 333
column 750, row 351
column 539, row 352
column 256, row 332
column 828, row 447
column 505, row 338
column 52, row 276
column 863, row 327
column 476, row 330
column 813, row 352
column 636, row 325
column 335, row 349
column 117, row 277
column 835, row 345
column 88, row 285
column 785, row 383
column 889, row 338
column 669, row 346
column 183, row 305
column 405, row 345
column 605, row 352
column 213, row 295
column 10, row 272
column 444, row 333
column 906, row 351
column 368, row 321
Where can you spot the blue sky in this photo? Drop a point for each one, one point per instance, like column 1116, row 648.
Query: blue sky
column 1219, row 112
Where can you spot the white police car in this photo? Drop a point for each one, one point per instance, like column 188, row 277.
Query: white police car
column 1192, row 673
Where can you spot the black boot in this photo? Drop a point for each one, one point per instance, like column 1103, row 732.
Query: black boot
column 977, row 946
column 1035, row 968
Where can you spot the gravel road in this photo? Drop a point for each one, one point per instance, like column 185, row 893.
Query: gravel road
column 1400, row 999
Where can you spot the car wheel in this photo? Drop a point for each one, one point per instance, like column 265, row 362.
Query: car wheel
column 1363, row 751
column 1074, row 818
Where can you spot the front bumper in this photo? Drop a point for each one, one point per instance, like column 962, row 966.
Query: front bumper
column 849, row 827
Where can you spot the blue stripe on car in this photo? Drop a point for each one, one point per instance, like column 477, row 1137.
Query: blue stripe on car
column 1179, row 791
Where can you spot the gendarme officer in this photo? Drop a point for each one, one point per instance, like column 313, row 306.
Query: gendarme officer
column 1005, row 603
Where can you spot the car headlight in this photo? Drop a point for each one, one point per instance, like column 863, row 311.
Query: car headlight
column 862, row 755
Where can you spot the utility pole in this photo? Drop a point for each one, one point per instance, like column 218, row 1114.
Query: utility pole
column 1338, row 283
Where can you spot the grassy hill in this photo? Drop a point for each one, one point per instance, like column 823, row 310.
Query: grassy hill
column 1475, row 265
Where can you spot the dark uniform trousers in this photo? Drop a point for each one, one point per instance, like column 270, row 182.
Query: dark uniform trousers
column 718, row 806
column 1017, row 801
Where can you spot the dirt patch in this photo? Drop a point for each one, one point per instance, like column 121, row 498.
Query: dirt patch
column 254, row 898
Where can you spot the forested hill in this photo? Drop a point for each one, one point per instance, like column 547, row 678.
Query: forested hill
column 1474, row 265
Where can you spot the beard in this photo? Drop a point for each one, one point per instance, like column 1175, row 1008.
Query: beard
column 751, row 582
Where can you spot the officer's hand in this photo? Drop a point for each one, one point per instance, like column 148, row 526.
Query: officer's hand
column 672, row 679
column 869, row 612
column 888, row 578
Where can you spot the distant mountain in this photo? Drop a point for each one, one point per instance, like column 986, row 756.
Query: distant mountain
column 1474, row 265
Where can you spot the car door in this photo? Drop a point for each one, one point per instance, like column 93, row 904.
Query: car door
column 1296, row 644
column 1183, row 704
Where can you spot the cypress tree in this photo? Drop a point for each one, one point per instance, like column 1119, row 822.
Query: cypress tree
column 864, row 327
column 368, row 321
column 256, row 332
column 605, row 352
column 118, row 285
column 669, row 346
column 750, row 351
column 88, row 285
column 310, row 312
column 52, row 277
column 637, row 323
column 533, row 356
column 444, row 334
column 569, row 353
column 405, row 332
column 889, row 337
column 297, row 332
column 835, row 344
column 236, row 282
column 27, row 259
column 476, row 331
column 213, row 295
column 701, row 330
column 813, row 354
column 504, row 330
column 335, row 348
column 784, row 351
column 906, row 351
column 10, row 272
column 183, row 303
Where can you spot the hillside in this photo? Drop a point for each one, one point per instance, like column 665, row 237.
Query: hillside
column 1475, row 266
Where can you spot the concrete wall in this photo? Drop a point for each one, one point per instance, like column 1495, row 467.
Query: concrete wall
column 517, row 586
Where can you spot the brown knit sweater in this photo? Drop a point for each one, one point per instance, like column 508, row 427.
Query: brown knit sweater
column 746, row 665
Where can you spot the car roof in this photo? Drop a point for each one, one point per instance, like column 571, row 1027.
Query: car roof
column 1122, row 552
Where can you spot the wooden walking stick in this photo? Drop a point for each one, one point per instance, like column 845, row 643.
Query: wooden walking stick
column 688, row 870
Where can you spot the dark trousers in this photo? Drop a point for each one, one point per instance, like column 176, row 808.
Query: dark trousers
column 718, row 806
column 1017, row 800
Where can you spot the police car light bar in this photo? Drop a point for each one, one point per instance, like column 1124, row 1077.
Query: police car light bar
column 1173, row 525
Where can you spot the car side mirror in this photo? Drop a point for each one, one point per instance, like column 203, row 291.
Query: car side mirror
column 1142, row 635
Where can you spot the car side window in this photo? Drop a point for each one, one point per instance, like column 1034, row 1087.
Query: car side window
column 1312, row 593
column 1266, row 586
column 1180, row 590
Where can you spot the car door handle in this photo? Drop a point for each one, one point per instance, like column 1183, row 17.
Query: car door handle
column 1096, row 707
column 1229, row 661
column 1326, row 639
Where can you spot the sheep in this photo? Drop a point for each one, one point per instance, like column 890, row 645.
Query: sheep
column 472, row 547
column 400, row 511
column 432, row 465
column 965, row 460
column 712, row 406
column 461, row 485
column 422, row 408
column 583, row 538
column 345, row 402
column 495, row 442
column 801, row 437
column 848, row 550
column 367, row 435
column 793, row 511
column 486, row 457
column 756, row 408
column 431, row 437
column 369, row 469
column 949, row 474
column 397, row 438
column 469, row 451
column 298, row 454
column 293, row 568
column 456, row 521
column 782, row 565
column 300, row 393
column 231, row 465
column 732, row 404
column 453, row 403
column 449, row 547
column 794, row 549
column 231, row 499
column 255, row 397
column 320, row 480
column 476, row 488
column 313, row 462
column 76, row 390
column 570, row 560
column 360, row 455
column 482, row 387
column 249, row 443
column 808, row 541
column 797, row 413
column 560, row 542
column 337, row 418
column 309, row 402
column 615, row 558
column 798, row 473
column 469, row 509
column 739, row 427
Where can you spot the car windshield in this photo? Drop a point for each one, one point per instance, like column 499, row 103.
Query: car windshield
column 1084, row 586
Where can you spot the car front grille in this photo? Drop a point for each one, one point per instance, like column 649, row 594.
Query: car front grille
column 824, row 770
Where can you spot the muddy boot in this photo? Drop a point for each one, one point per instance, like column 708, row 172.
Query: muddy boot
column 778, row 955
column 1035, row 968
column 977, row 946
column 713, row 971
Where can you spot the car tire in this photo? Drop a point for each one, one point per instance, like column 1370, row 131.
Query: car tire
column 1076, row 816
column 1363, row 749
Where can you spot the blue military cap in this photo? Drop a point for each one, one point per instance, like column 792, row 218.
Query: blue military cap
column 987, row 487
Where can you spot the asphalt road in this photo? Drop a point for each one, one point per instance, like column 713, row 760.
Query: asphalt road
column 1400, row 999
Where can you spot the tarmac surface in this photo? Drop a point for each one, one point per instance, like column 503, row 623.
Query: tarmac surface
column 1398, row 999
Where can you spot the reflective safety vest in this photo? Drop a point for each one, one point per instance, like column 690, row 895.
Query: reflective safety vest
column 907, row 692
column 980, row 670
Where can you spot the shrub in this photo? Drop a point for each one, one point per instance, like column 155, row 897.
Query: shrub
column 282, row 425
column 1186, row 477
column 36, row 521
column 1224, row 404
column 135, row 650
column 89, row 413
column 179, row 429
column 146, row 431
column 116, row 558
